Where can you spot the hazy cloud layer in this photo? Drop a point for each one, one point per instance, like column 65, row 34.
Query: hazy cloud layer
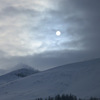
column 27, row 32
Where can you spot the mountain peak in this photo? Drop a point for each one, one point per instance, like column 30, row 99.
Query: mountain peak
column 22, row 65
column 21, row 71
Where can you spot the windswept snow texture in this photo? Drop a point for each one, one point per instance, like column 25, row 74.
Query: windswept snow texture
column 17, row 74
column 81, row 79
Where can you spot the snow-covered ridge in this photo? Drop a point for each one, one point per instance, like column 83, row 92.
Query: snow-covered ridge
column 24, row 71
column 81, row 79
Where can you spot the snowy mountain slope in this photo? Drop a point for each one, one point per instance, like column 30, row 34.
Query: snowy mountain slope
column 81, row 79
column 2, row 71
column 17, row 74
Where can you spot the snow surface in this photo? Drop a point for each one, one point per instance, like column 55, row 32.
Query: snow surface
column 81, row 79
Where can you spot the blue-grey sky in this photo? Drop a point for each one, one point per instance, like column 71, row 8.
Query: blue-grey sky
column 28, row 32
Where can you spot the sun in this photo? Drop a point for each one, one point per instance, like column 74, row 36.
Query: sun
column 58, row 33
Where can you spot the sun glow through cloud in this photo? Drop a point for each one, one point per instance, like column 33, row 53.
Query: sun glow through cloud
column 58, row 33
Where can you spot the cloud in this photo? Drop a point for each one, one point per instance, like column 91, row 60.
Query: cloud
column 14, row 36
column 27, row 31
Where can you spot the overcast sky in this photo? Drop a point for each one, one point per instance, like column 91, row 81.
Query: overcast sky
column 28, row 32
